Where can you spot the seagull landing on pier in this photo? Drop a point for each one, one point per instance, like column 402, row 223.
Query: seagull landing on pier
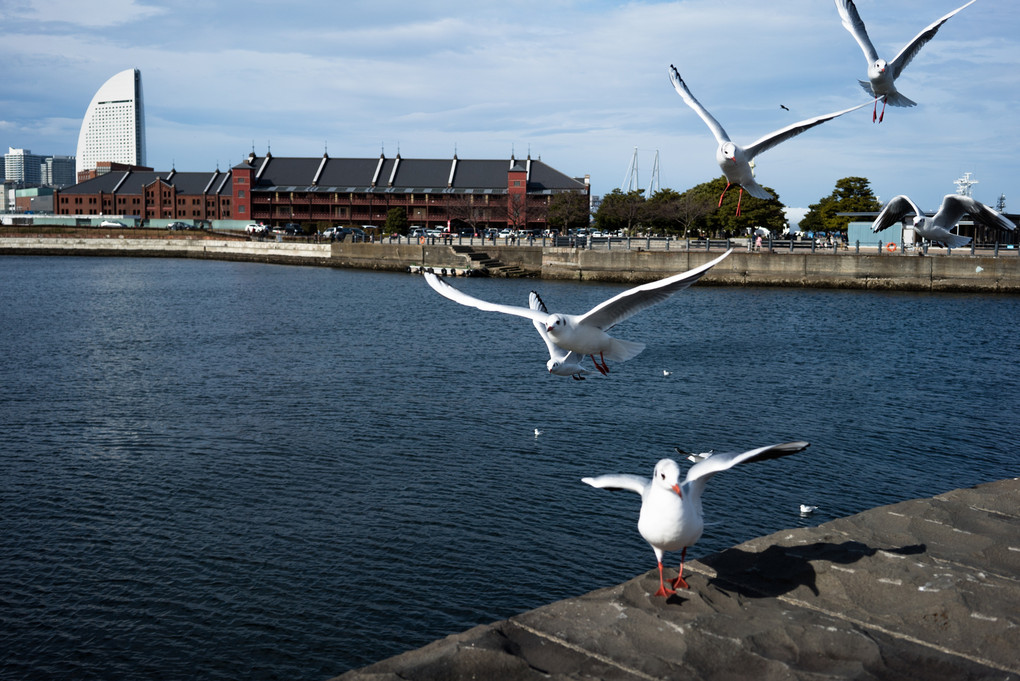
column 671, row 518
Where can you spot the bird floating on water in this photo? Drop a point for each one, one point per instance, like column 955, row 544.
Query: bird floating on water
column 587, row 334
column 671, row 516
column 807, row 510
column 735, row 160
column 882, row 75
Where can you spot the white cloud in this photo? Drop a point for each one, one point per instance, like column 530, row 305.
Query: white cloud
column 88, row 15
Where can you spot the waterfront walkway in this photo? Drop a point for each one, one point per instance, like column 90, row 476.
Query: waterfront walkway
column 923, row 589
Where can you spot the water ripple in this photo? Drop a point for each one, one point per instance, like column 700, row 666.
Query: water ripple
column 229, row 470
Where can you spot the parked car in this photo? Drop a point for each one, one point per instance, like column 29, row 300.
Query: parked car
column 255, row 229
column 112, row 223
column 179, row 225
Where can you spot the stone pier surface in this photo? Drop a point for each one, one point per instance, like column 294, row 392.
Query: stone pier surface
column 923, row 589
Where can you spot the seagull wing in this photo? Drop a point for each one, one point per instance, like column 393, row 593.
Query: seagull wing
column 852, row 22
column 955, row 206
column 894, row 211
column 681, row 88
column 535, row 303
column 773, row 138
column 701, row 472
column 608, row 314
column 447, row 291
column 911, row 49
column 634, row 483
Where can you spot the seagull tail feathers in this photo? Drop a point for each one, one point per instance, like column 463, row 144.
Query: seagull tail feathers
column 954, row 241
column 757, row 191
column 622, row 350
column 896, row 99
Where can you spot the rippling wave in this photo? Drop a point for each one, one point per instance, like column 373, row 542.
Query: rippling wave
column 231, row 470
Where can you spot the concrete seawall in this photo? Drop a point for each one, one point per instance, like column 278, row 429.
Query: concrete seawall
column 922, row 589
column 957, row 272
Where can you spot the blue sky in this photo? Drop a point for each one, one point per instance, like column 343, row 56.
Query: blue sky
column 578, row 84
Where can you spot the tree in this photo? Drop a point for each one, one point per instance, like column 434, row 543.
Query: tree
column 851, row 195
column 670, row 212
column 620, row 211
column 568, row 210
column 723, row 221
column 396, row 221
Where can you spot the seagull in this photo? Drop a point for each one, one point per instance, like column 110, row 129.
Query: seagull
column 783, row 107
column 537, row 432
column 694, row 458
column 667, row 373
column 807, row 510
column 882, row 74
column 939, row 228
column 561, row 362
column 671, row 517
column 586, row 334
column 735, row 160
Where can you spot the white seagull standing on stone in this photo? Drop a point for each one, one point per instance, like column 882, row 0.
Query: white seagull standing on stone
column 671, row 518
column 561, row 362
column 882, row 74
column 587, row 334
column 938, row 229
column 735, row 160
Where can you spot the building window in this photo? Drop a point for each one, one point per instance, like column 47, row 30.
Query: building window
column 240, row 209
column 240, row 193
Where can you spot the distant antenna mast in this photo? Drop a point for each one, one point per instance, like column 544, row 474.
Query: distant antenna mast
column 964, row 184
column 630, row 182
column 653, row 184
column 1000, row 205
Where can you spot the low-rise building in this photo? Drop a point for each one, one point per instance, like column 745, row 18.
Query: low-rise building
column 320, row 192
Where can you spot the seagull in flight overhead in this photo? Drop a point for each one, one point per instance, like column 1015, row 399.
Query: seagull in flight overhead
column 587, row 334
column 939, row 228
column 671, row 518
column 882, row 74
column 561, row 362
column 735, row 160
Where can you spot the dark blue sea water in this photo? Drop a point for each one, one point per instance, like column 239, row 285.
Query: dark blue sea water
column 239, row 471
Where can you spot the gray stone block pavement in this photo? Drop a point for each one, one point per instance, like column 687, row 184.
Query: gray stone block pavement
column 922, row 589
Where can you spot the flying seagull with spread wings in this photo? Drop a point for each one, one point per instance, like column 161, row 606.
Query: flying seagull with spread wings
column 882, row 75
column 587, row 334
column 735, row 160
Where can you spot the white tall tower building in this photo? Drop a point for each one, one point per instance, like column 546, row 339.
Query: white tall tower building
column 114, row 124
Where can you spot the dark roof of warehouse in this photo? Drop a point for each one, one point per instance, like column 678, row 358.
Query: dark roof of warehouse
column 324, row 173
column 133, row 181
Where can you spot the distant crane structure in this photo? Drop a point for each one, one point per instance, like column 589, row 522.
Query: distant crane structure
column 632, row 180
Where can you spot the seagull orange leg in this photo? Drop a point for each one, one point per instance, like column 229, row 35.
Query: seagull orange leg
column 680, row 581
column 663, row 591
column 723, row 194
column 874, row 112
column 603, row 369
column 739, row 197
column 882, row 115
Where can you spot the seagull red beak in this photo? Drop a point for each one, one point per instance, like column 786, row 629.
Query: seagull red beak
column 676, row 488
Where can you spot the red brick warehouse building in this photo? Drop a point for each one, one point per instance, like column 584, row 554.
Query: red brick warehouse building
column 434, row 193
